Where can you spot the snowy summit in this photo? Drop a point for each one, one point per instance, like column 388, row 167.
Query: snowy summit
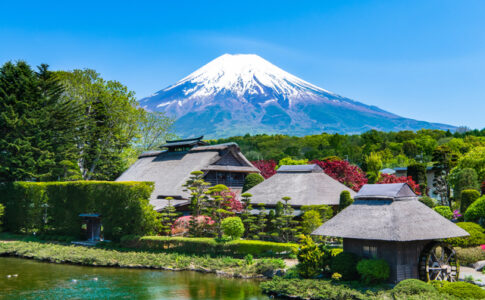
column 244, row 93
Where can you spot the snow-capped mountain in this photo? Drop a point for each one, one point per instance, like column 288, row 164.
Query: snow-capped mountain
column 243, row 93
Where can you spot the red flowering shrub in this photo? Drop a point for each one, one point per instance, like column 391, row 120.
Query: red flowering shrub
column 182, row 224
column 267, row 167
column 390, row 178
column 346, row 173
column 231, row 203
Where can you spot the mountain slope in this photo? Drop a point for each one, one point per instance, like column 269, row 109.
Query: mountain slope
column 239, row 94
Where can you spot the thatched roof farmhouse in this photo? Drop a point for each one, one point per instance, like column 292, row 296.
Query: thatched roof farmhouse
column 387, row 221
column 305, row 184
column 170, row 168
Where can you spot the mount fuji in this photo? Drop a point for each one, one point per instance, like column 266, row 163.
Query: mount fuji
column 244, row 93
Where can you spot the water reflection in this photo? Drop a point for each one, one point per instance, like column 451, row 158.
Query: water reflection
column 38, row 280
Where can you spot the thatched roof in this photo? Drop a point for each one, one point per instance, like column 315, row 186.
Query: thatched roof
column 305, row 184
column 185, row 142
column 389, row 212
column 170, row 170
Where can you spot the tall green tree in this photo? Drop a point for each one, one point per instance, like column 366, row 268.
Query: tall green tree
column 38, row 126
column 155, row 129
column 111, row 119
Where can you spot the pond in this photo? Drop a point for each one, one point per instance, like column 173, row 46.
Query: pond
column 38, row 280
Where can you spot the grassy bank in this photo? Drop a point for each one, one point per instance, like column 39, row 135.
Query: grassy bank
column 57, row 253
column 408, row 289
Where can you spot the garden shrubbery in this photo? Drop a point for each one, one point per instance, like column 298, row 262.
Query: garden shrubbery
column 233, row 227
column 445, row 211
column 477, row 235
column 211, row 246
column 54, row 207
column 476, row 211
column 463, row 290
column 312, row 258
column 467, row 198
column 428, row 201
column 345, row 264
column 373, row 271
column 470, row 255
column 413, row 287
column 251, row 181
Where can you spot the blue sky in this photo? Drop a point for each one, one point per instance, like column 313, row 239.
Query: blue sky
column 419, row 59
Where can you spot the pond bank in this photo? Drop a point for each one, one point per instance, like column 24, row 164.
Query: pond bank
column 89, row 256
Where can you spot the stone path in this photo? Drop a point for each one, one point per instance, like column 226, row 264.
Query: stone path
column 478, row 276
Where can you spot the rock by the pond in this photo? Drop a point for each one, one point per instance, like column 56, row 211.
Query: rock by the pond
column 479, row 265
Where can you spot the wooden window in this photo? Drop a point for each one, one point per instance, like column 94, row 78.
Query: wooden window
column 369, row 251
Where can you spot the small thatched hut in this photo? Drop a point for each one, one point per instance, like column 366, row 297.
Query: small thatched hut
column 305, row 184
column 387, row 221
column 170, row 168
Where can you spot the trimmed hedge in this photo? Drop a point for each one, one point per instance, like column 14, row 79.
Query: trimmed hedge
column 445, row 211
column 477, row 235
column 54, row 207
column 467, row 198
column 237, row 248
column 413, row 287
column 345, row 263
column 468, row 256
column 428, row 201
column 476, row 211
column 373, row 271
column 463, row 290
column 251, row 181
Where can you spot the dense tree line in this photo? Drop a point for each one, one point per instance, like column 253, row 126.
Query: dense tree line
column 70, row 125
column 393, row 149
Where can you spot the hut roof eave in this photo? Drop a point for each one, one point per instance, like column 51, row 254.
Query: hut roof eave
column 405, row 220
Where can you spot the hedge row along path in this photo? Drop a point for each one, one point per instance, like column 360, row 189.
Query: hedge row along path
column 54, row 253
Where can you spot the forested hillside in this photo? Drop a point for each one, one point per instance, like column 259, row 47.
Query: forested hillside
column 394, row 149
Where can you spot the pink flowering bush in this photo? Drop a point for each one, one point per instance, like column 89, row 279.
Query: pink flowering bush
column 182, row 224
column 456, row 215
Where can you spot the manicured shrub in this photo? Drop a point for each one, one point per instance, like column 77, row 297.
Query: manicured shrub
column 345, row 263
column 463, row 290
column 54, row 207
column 312, row 259
column 260, row 248
column 477, row 235
column 476, row 211
column 467, row 198
column 413, row 287
column 233, row 227
column 251, row 181
column 345, row 200
column 445, row 211
column 237, row 248
column 373, row 271
column 428, row 201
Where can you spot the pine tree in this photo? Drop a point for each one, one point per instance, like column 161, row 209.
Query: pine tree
column 197, row 187
column 286, row 227
column 37, row 125
column 168, row 216
column 217, row 206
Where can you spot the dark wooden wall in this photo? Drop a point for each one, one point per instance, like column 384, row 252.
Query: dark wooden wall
column 403, row 257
